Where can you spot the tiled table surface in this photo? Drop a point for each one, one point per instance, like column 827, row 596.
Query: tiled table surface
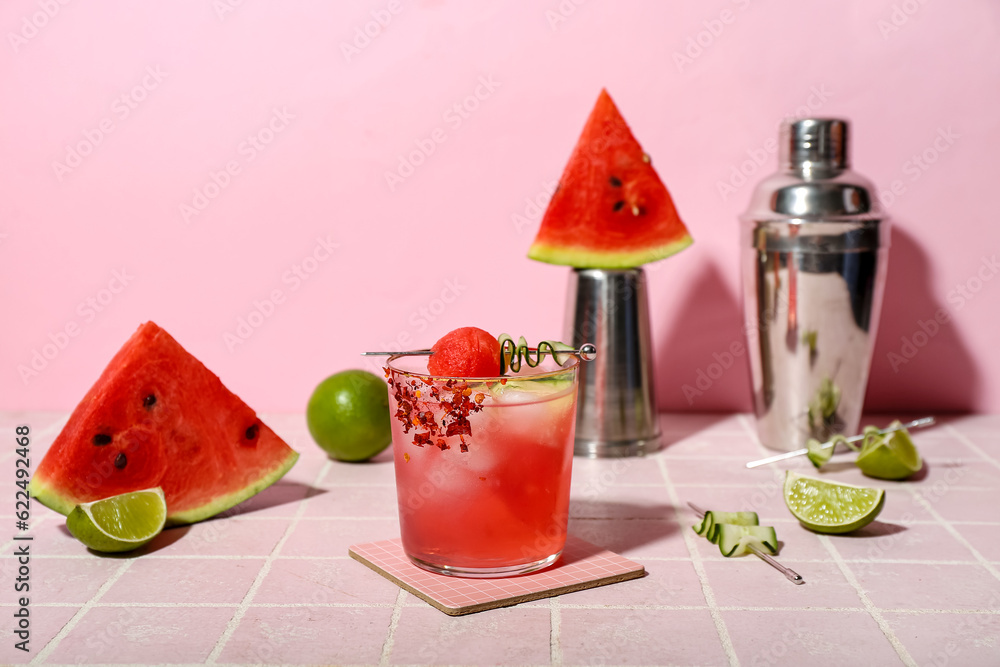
column 271, row 582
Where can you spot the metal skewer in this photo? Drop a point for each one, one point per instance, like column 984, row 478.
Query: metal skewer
column 587, row 352
column 916, row 423
column 789, row 573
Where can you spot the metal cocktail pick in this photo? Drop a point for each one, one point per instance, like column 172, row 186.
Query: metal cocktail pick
column 916, row 423
column 789, row 573
column 587, row 352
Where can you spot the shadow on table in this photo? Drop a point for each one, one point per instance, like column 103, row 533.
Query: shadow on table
column 161, row 541
column 621, row 527
column 280, row 493
column 921, row 474
column 875, row 529
column 838, row 466
column 679, row 426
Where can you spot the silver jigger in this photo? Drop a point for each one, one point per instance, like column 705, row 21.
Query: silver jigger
column 616, row 404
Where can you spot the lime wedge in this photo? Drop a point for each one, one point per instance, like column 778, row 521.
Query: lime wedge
column 890, row 456
column 541, row 386
column 119, row 523
column 829, row 507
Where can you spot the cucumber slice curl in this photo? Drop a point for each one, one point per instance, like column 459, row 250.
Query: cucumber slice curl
column 737, row 540
column 736, row 532
column 513, row 354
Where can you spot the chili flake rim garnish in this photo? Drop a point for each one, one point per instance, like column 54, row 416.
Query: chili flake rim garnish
column 417, row 411
column 436, row 409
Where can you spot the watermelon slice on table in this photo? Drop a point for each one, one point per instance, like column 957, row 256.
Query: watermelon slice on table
column 157, row 417
column 610, row 210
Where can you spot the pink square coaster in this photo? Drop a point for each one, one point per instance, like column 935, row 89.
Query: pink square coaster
column 582, row 565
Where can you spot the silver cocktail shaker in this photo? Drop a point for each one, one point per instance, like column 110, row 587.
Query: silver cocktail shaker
column 814, row 250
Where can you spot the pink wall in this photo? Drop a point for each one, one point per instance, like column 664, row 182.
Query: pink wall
column 160, row 99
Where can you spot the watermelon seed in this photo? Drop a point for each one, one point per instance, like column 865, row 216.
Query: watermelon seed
column 252, row 432
column 101, row 439
column 149, row 401
column 619, row 205
column 121, row 461
column 615, row 182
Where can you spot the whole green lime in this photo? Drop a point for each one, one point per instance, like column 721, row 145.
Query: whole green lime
column 348, row 415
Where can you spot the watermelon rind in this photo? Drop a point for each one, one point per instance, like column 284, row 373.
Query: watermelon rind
column 223, row 503
column 587, row 259
column 49, row 497
column 55, row 501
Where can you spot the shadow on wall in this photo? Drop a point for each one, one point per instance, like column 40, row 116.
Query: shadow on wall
column 920, row 363
column 701, row 363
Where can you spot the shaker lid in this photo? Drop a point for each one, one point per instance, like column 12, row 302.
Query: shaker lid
column 814, row 179
column 814, row 144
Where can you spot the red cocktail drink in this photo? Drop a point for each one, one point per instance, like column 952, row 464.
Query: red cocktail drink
column 483, row 466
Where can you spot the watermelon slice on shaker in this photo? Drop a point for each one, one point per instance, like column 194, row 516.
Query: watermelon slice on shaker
column 610, row 209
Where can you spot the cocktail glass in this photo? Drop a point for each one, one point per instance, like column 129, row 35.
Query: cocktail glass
column 483, row 466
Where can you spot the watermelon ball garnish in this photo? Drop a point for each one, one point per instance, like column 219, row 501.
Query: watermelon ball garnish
column 468, row 352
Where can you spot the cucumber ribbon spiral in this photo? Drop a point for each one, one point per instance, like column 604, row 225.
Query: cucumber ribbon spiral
column 512, row 354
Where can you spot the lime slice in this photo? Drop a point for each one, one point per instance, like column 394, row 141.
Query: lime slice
column 890, row 456
column 119, row 523
column 829, row 507
column 540, row 386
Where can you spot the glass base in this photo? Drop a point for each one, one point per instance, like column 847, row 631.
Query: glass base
column 486, row 572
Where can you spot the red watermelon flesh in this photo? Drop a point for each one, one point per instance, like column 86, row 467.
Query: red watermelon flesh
column 158, row 417
column 610, row 210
